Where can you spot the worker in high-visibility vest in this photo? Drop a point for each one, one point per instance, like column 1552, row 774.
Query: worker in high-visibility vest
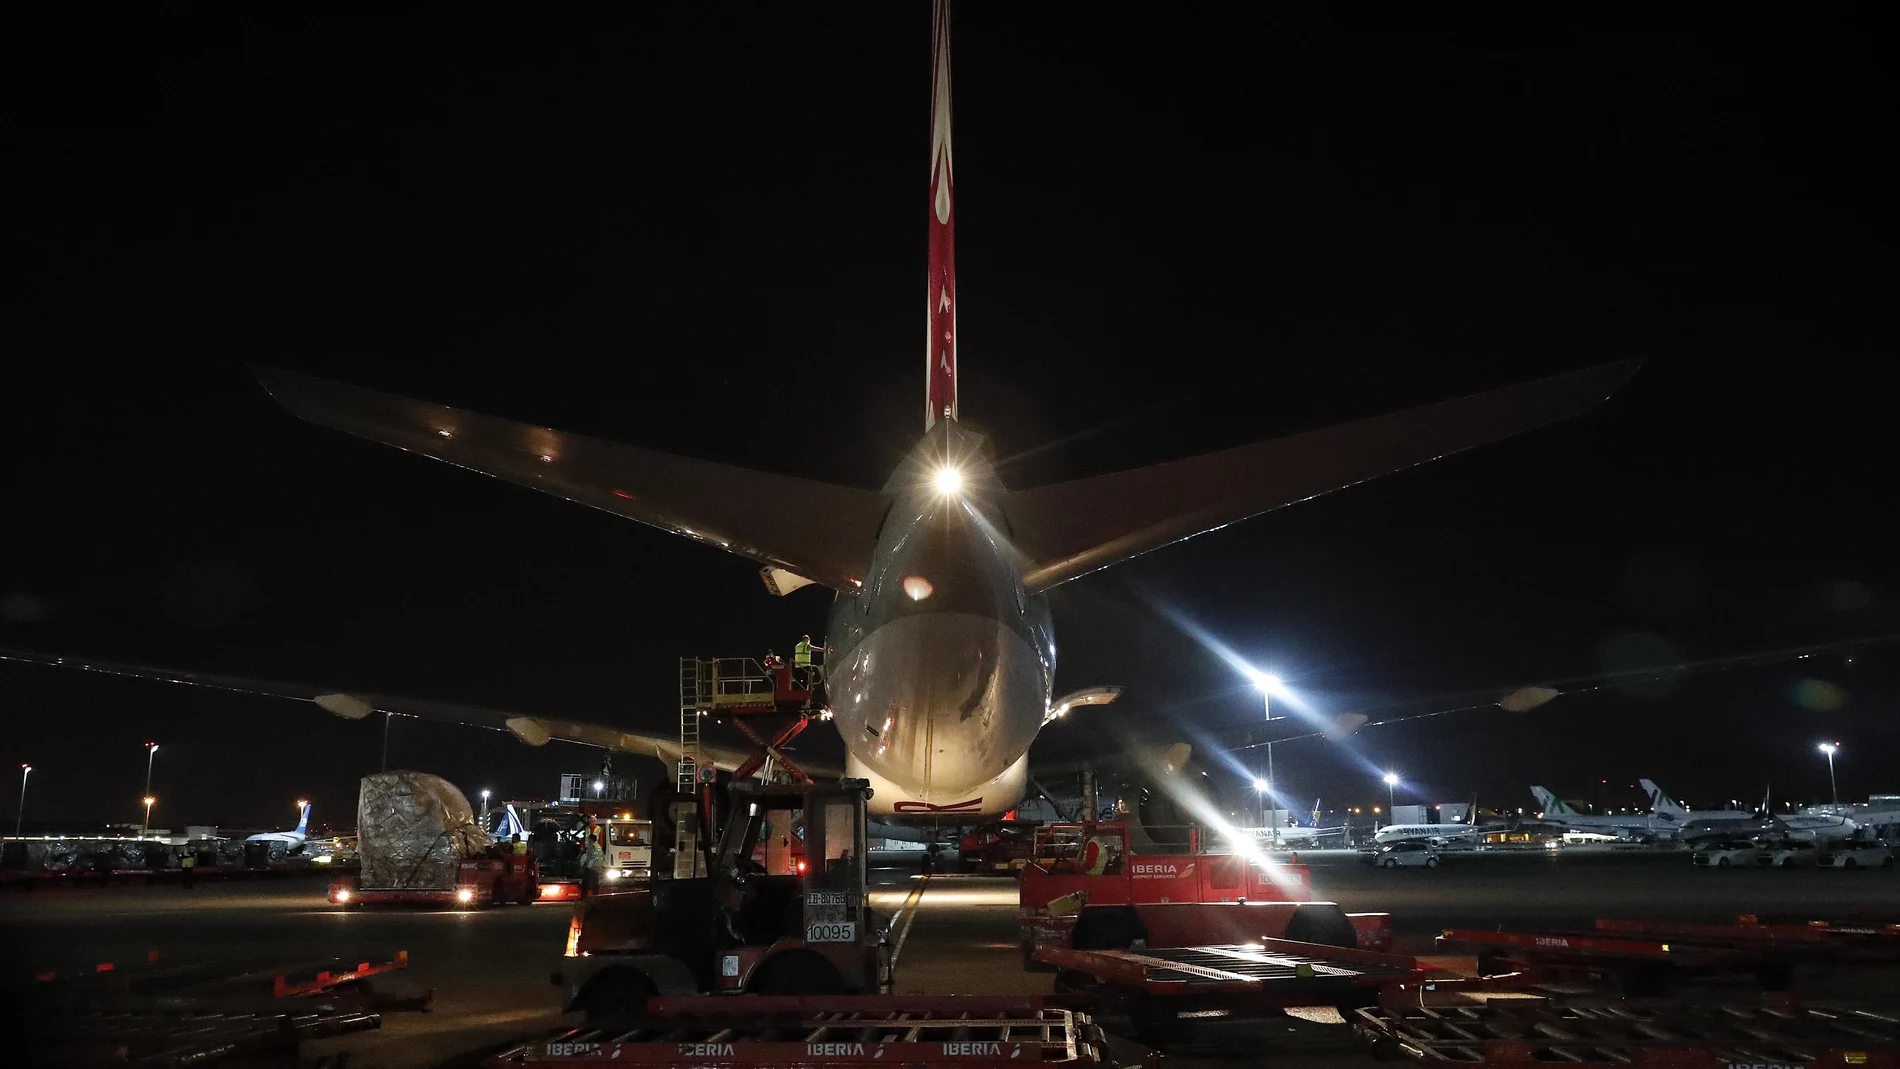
column 801, row 661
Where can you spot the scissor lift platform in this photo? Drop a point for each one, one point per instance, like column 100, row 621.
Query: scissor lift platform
column 1626, row 1033
column 912, row 1031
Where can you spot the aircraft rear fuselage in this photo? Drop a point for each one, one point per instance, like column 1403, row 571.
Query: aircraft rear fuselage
column 941, row 663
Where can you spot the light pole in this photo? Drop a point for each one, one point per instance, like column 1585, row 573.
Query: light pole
column 1828, row 748
column 1260, row 788
column 1268, row 683
column 147, row 829
column 484, row 805
column 1391, row 784
column 19, row 818
column 151, row 751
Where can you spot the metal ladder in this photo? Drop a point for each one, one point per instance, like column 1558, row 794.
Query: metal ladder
column 693, row 700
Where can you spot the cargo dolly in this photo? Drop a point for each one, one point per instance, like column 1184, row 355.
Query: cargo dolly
column 1649, row 958
column 1163, row 988
column 1626, row 1033
column 912, row 1031
column 159, row 1014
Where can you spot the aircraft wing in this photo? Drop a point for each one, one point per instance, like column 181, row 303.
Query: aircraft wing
column 530, row 728
column 819, row 531
column 1074, row 528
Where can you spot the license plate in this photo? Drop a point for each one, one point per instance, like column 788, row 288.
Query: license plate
column 844, row 932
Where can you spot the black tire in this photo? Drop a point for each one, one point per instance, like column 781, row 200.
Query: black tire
column 1106, row 929
column 1787, row 862
column 1721, row 862
column 1391, row 862
column 1850, row 863
column 1431, row 862
column 1888, row 863
column 796, row 972
column 1325, row 925
column 1157, row 1022
column 616, row 995
column 498, row 895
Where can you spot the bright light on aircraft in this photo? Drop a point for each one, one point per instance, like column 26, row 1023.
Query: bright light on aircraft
column 918, row 587
column 949, row 480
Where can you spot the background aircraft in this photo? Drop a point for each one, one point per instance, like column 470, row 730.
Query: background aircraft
column 292, row 840
column 1633, row 826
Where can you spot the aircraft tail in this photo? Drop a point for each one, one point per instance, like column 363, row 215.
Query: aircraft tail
column 1660, row 803
column 303, row 820
column 940, row 351
column 1553, row 805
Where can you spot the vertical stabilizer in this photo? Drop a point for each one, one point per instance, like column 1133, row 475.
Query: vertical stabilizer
column 303, row 821
column 1553, row 805
column 940, row 354
column 1659, row 802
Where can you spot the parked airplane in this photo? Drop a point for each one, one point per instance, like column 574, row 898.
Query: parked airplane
column 1631, row 826
column 1295, row 832
column 941, row 651
column 292, row 840
column 1435, row 833
column 1703, row 824
column 1718, row 823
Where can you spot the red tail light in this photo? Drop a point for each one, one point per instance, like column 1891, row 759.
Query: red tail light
column 801, row 868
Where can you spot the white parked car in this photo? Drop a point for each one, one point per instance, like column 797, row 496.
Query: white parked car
column 1856, row 855
column 1726, row 852
column 1412, row 853
column 1789, row 855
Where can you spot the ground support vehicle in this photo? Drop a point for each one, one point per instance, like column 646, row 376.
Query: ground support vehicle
column 1087, row 870
column 1856, row 855
column 1411, row 853
column 1650, row 958
column 1630, row 1032
column 1002, row 848
column 1163, row 989
column 496, row 876
column 912, row 1031
column 781, row 910
column 161, row 1014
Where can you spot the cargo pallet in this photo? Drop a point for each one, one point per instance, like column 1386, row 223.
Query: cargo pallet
column 911, row 1031
column 1621, row 1034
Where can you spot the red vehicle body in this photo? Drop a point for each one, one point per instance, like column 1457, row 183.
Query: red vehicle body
column 495, row 877
column 1091, row 879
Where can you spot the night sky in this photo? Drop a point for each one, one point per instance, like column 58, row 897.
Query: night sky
column 702, row 231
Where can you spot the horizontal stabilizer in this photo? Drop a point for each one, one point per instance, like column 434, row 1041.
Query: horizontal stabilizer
column 1074, row 528
column 816, row 530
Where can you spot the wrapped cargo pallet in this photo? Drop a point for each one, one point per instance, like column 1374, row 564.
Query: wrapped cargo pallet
column 413, row 830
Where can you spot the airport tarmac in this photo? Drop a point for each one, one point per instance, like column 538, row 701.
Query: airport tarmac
column 490, row 968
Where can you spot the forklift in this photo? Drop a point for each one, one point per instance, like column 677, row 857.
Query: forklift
column 781, row 910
